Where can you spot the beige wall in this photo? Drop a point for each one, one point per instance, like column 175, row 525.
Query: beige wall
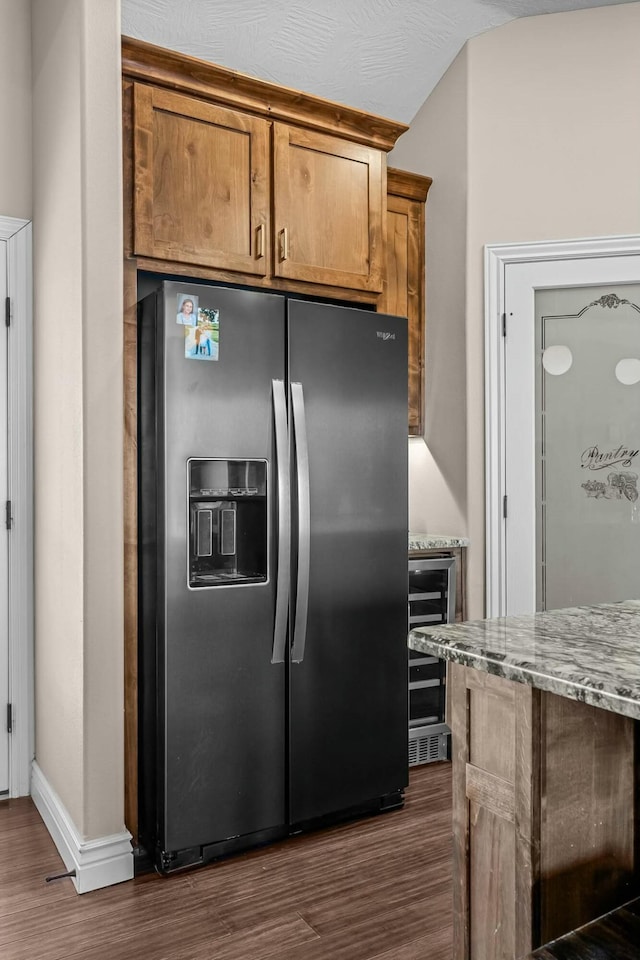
column 15, row 108
column 437, row 484
column 78, row 408
column 553, row 151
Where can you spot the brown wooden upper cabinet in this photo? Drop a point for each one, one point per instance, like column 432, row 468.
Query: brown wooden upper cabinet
column 404, row 290
column 203, row 194
column 201, row 174
column 328, row 209
column 234, row 178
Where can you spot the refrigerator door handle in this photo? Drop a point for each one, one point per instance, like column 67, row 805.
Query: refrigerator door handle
column 284, row 522
column 304, row 523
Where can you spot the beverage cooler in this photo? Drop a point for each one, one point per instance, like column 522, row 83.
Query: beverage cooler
column 432, row 593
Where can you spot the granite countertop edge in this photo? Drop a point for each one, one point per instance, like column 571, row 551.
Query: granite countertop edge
column 565, row 652
column 435, row 541
column 606, row 699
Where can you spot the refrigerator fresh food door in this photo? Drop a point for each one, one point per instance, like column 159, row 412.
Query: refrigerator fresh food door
column 224, row 723
column 348, row 672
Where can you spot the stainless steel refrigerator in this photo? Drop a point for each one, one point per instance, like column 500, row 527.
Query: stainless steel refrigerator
column 272, row 567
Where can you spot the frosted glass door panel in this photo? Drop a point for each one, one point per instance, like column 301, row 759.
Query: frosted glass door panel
column 587, row 445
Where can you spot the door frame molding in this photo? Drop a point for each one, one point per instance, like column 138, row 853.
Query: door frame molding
column 18, row 236
column 496, row 258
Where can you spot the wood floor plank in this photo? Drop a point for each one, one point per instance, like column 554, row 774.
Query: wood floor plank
column 364, row 940
column 267, row 940
column 143, row 903
column 332, row 896
column 164, row 930
column 437, row 946
column 333, row 914
column 374, row 889
column 29, row 892
column 16, row 810
column 354, row 847
column 39, row 863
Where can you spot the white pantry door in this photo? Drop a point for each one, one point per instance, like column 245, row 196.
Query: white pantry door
column 563, row 406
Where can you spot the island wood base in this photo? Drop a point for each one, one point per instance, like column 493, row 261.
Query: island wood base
column 543, row 814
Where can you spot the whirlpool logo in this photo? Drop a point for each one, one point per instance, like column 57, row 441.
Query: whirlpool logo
column 385, row 335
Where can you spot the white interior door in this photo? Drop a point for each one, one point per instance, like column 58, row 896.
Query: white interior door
column 571, row 534
column 4, row 604
column 16, row 485
column 557, row 277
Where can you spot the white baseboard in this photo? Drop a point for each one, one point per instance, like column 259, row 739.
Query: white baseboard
column 97, row 863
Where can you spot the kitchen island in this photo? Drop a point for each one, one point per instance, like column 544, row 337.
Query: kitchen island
column 543, row 712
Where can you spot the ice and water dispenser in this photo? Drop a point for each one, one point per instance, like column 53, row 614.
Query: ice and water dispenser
column 227, row 522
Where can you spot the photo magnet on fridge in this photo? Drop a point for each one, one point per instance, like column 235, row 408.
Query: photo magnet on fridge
column 187, row 309
column 202, row 341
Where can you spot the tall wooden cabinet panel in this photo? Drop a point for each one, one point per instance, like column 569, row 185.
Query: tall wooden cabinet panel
column 404, row 293
column 201, row 176
column 328, row 208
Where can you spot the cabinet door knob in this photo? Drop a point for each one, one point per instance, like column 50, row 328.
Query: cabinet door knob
column 260, row 241
column 284, row 244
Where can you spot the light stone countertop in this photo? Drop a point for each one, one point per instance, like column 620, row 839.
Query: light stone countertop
column 590, row 654
column 435, row 541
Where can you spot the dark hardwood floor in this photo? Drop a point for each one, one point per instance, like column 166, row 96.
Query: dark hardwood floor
column 379, row 887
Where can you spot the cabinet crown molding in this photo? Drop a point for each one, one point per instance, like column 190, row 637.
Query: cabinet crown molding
column 176, row 71
column 412, row 186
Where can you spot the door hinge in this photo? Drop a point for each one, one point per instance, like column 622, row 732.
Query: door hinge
column 8, row 519
column 7, row 311
column 504, row 506
column 504, row 324
column 9, row 718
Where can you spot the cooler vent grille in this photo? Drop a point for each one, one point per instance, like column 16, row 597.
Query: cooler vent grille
column 428, row 748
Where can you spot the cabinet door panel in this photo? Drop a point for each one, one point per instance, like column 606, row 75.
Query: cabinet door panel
column 403, row 294
column 404, row 286
column 397, row 289
column 328, row 202
column 201, row 182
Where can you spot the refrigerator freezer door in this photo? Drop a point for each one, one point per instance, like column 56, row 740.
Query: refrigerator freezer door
column 224, row 740
column 348, row 695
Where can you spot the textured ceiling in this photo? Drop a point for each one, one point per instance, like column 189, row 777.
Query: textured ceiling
column 383, row 56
